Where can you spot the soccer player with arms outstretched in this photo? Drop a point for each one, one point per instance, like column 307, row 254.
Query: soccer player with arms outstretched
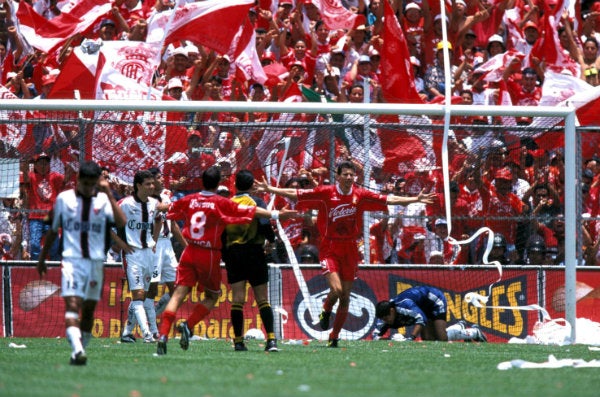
column 341, row 207
column 85, row 215
column 205, row 215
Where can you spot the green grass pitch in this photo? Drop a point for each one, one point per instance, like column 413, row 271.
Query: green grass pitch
column 210, row 368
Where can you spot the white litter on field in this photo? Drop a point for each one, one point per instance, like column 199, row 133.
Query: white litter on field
column 551, row 363
column 558, row 332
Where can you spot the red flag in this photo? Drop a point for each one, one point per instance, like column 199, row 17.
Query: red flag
column 198, row 21
column 47, row 35
column 398, row 146
column 77, row 73
column 398, row 83
column 336, row 16
column 248, row 61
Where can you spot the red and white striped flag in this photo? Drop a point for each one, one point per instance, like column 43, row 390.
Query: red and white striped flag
column 48, row 35
column 212, row 23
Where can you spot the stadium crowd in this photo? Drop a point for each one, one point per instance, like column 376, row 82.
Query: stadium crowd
column 519, row 193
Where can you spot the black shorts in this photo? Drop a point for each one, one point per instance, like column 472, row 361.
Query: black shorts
column 246, row 262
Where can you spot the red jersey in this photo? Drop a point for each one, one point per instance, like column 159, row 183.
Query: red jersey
column 205, row 215
column 503, row 206
column 182, row 165
column 340, row 215
column 42, row 192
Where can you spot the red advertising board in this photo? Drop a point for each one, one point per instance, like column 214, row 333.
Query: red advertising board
column 38, row 309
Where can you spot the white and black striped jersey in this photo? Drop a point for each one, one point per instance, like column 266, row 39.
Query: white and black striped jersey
column 140, row 221
column 85, row 224
column 165, row 198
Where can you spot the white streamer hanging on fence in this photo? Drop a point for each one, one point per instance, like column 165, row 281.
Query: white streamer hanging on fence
column 312, row 305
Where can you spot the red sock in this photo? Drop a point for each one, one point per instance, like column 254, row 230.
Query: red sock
column 166, row 321
column 338, row 322
column 200, row 311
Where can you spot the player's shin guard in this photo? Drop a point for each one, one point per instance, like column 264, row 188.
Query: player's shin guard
column 237, row 321
column 266, row 315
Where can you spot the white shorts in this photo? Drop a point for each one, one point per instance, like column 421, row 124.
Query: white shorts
column 165, row 266
column 82, row 277
column 140, row 265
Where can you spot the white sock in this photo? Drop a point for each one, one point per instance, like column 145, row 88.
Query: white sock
column 131, row 321
column 74, row 338
column 140, row 314
column 151, row 314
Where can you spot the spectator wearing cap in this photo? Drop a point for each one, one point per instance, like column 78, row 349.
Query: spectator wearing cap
column 177, row 64
column 412, row 22
column 183, row 170
column 327, row 83
column 530, row 35
column 418, row 76
column 107, row 30
column 495, row 45
column 362, row 70
column 501, row 206
column 535, row 252
column 435, row 81
column 42, row 187
column 500, row 250
column 175, row 89
column 359, row 40
column 48, row 81
column 221, row 67
column 438, row 241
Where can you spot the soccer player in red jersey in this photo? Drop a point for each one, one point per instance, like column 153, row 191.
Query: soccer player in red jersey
column 205, row 215
column 339, row 221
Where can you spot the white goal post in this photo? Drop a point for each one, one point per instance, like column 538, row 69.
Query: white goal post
column 566, row 115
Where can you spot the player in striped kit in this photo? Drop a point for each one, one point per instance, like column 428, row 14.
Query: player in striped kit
column 165, row 266
column 140, row 235
column 85, row 215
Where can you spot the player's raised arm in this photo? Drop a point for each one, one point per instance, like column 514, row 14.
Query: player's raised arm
column 426, row 198
column 264, row 187
column 274, row 214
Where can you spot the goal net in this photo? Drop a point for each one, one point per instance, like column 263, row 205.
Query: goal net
column 506, row 220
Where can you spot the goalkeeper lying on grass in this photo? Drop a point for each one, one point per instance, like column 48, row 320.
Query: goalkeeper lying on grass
column 425, row 309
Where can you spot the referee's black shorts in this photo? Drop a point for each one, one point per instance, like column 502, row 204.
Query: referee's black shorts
column 246, row 262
